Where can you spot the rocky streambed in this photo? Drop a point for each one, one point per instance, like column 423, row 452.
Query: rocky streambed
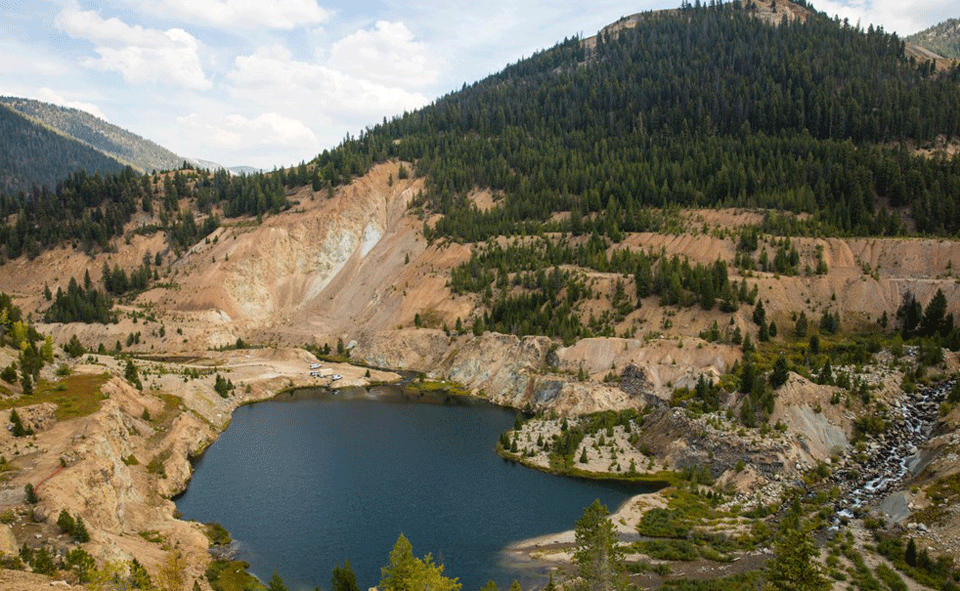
column 893, row 454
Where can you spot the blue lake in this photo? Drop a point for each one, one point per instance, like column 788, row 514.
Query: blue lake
column 309, row 479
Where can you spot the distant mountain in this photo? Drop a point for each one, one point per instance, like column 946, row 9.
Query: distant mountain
column 209, row 165
column 942, row 39
column 33, row 154
column 245, row 169
column 117, row 143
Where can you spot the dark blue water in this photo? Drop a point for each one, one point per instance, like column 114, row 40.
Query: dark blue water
column 304, row 483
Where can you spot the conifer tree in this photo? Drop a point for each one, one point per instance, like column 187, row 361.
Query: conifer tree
column 780, row 373
column 80, row 533
column 343, row 579
column 910, row 555
column 276, row 583
column 405, row 572
column 794, row 566
column 65, row 522
column 598, row 558
column 131, row 374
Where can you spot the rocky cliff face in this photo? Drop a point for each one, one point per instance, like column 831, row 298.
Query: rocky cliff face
column 533, row 373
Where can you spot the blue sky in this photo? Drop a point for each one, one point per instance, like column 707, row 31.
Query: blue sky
column 273, row 82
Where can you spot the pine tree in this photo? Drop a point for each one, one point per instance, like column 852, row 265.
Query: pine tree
column 43, row 562
column 276, row 583
column 132, row 375
column 30, row 494
column 343, row 579
column 780, row 373
column 65, row 522
column 80, row 533
column 80, row 561
column 139, row 577
column 405, row 572
column 759, row 313
column 933, row 317
column 764, row 334
column 910, row 555
column 17, row 425
column 598, row 558
column 794, row 566
column 800, row 328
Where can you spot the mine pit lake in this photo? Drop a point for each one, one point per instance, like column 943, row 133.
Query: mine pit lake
column 311, row 478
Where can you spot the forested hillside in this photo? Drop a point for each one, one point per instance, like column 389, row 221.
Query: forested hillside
column 699, row 107
column 34, row 155
column 943, row 38
column 118, row 143
column 88, row 210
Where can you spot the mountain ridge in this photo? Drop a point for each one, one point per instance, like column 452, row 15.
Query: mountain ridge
column 39, row 155
column 119, row 145
column 114, row 141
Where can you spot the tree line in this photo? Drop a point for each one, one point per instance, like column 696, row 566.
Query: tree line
column 87, row 211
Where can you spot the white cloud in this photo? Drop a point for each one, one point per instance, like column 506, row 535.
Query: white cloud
column 49, row 96
column 239, row 133
column 244, row 14
column 272, row 76
column 387, row 54
column 141, row 55
column 904, row 17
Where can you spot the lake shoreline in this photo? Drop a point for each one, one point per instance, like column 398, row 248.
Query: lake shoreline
column 394, row 394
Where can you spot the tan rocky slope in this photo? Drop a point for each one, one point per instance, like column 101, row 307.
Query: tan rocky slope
column 357, row 264
column 118, row 467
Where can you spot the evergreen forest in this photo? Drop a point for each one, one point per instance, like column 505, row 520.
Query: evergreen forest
column 703, row 107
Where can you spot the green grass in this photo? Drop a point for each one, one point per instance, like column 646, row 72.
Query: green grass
column 678, row 550
column 216, row 534
column 152, row 535
column 438, row 386
column 663, row 523
column 75, row 396
column 739, row 582
column 232, row 575
column 944, row 493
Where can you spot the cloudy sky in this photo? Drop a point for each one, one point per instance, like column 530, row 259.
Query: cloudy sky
column 273, row 82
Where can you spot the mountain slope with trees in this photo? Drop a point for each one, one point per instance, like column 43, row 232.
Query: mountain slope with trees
column 34, row 155
column 705, row 106
column 120, row 144
column 942, row 38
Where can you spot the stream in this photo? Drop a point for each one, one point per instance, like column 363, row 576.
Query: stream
column 893, row 453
